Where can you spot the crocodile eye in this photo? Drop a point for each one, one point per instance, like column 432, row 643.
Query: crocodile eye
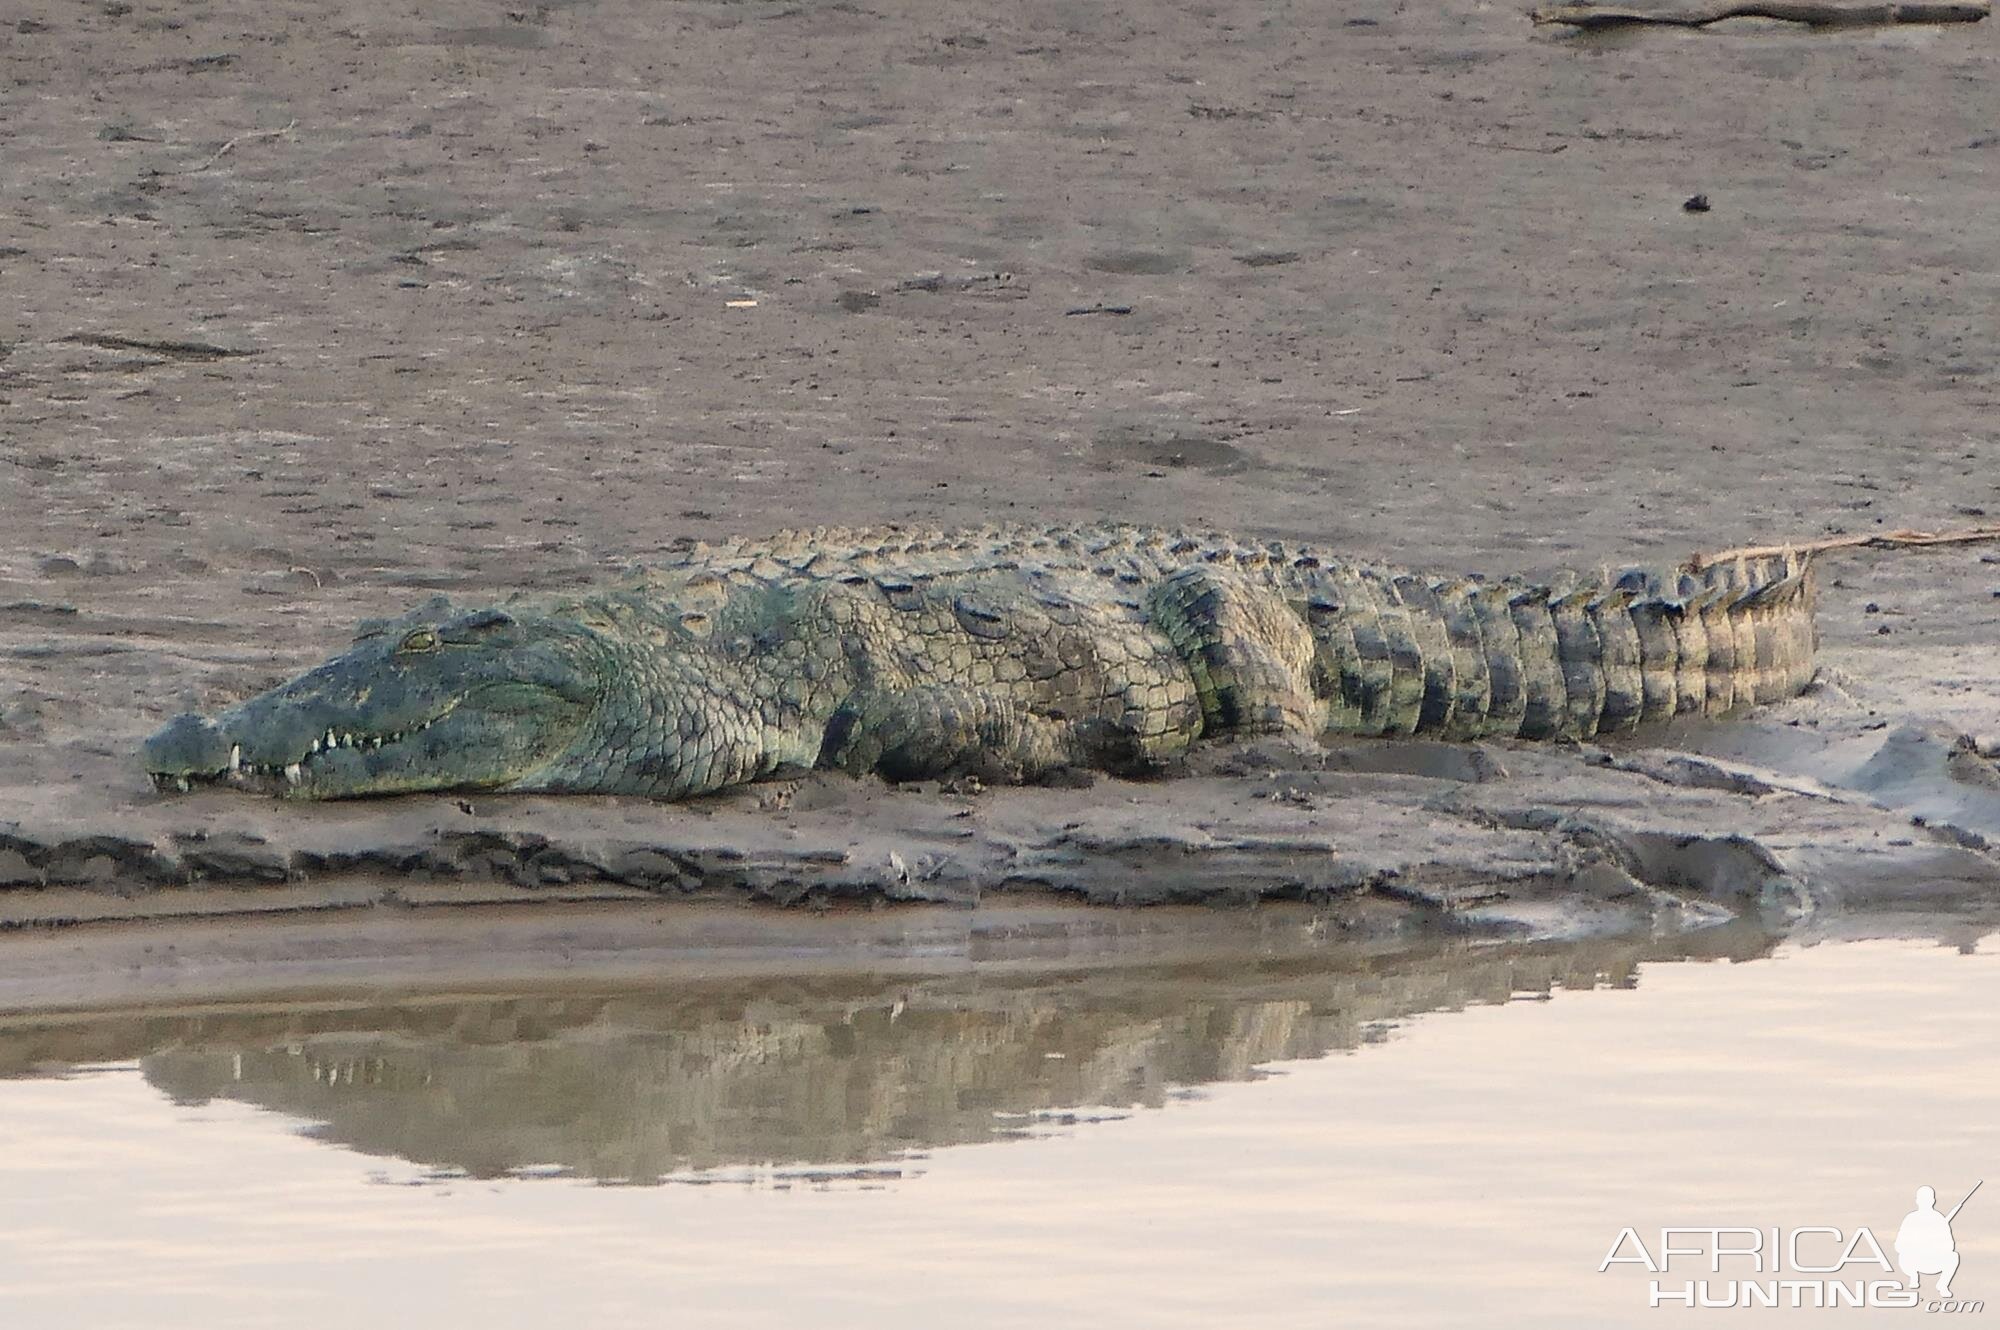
column 423, row 639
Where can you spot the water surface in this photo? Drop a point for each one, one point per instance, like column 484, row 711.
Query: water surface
column 1314, row 1135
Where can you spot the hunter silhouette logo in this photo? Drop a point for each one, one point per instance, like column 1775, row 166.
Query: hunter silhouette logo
column 1924, row 1245
column 1811, row 1265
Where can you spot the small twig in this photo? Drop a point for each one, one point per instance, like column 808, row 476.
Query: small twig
column 1812, row 13
column 1906, row 538
column 1097, row 309
column 169, row 347
column 317, row 584
column 219, row 153
column 1518, row 147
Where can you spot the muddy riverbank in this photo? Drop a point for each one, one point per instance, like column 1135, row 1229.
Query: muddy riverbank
column 313, row 313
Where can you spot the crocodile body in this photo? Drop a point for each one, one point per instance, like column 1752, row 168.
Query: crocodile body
column 1006, row 653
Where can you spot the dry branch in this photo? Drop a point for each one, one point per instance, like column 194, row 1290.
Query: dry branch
column 1881, row 540
column 1813, row 13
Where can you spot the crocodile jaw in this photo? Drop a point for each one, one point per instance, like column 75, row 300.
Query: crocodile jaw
column 194, row 750
column 487, row 704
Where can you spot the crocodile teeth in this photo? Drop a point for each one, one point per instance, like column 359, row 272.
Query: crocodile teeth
column 347, row 741
column 328, row 741
column 235, row 758
column 294, row 773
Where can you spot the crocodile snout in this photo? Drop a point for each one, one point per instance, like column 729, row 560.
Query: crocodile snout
column 188, row 746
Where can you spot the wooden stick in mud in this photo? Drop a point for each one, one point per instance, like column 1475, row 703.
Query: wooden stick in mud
column 1813, row 13
column 1881, row 540
column 223, row 151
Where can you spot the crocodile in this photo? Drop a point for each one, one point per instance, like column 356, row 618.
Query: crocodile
column 1003, row 654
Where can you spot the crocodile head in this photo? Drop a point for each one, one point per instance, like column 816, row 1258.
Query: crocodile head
column 441, row 698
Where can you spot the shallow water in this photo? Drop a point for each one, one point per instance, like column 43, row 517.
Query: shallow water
column 1439, row 1134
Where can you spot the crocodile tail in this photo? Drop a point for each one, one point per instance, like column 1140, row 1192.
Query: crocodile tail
column 1465, row 659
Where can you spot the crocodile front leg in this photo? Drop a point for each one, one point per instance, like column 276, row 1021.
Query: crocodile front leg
column 945, row 730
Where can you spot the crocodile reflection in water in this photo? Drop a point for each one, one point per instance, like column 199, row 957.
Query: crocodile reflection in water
column 632, row 1085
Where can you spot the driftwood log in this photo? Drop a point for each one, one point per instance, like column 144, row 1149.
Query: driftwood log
column 1813, row 13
